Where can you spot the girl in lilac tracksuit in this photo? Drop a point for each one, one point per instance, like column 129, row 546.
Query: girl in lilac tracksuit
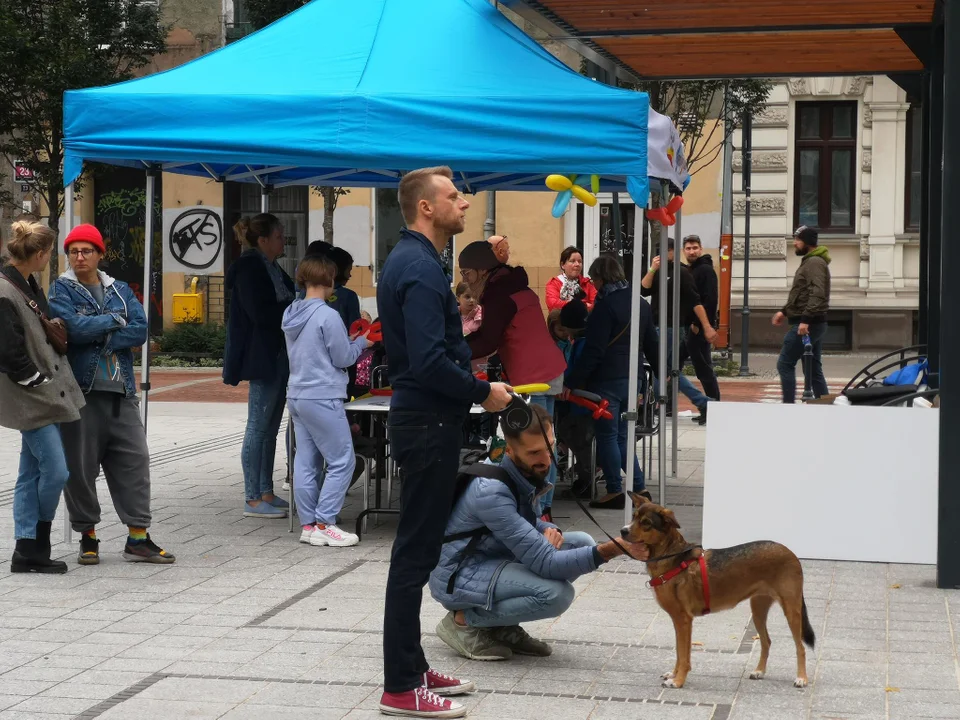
column 320, row 352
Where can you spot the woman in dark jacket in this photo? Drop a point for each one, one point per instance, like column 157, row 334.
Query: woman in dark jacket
column 37, row 393
column 603, row 367
column 259, row 293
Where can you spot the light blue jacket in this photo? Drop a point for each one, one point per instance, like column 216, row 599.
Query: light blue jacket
column 513, row 538
column 319, row 351
column 93, row 331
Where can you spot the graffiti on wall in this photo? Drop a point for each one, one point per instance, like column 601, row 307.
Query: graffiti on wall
column 120, row 204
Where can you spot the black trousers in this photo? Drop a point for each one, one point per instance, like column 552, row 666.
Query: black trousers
column 426, row 446
column 700, row 353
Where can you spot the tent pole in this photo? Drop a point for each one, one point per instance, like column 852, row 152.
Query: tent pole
column 664, row 370
column 68, row 222
column 948, row 531
column 675, row 350
column 265, row 198
column 147, row 274
column 631, row 415
column 490, row 224
column 615, row 224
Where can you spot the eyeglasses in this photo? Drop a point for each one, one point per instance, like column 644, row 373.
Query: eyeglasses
column 74, row 252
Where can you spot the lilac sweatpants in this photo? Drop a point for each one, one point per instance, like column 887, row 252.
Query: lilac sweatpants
column 323, row 434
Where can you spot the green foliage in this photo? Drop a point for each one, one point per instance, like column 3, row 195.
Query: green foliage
column 50, row 46
column 261, row 13
column 192, row 338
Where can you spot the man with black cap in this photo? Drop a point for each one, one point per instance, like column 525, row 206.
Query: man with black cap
column 805, row 313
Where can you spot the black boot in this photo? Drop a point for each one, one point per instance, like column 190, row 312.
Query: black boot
column 28, row 559
column 43, row 539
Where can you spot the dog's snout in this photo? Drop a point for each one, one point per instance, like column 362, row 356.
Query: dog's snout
column 625, row 532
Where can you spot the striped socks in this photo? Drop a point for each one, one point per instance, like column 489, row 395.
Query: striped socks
column 137, row 535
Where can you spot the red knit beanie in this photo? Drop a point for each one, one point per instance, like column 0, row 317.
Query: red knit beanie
column 85, row 233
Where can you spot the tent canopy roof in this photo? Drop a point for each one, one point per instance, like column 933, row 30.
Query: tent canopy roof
column 354, row 94
column 664, row 39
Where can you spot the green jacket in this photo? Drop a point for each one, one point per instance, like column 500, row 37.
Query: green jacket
column 809, row 297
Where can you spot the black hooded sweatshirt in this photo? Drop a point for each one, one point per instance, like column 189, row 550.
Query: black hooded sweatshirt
column 705, row 280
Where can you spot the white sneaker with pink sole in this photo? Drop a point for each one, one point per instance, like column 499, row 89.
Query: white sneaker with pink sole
column 333, row 536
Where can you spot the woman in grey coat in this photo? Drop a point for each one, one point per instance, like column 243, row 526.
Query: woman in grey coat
column 37, row 393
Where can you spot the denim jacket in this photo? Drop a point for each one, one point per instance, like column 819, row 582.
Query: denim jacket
column 91, row 331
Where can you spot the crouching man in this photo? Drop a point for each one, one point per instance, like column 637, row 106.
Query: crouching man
column 501, row 565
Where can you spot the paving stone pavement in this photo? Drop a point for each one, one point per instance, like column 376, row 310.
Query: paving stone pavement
column 249, row 623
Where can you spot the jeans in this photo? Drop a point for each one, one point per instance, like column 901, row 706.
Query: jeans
column 264, row 413
column 426, row 446
column 686, row 387
column 791, row 352
column 520, row 595
column 612, row 436
column 323, row 434
column 40, row 480
column 701, row 355
column 548, row 403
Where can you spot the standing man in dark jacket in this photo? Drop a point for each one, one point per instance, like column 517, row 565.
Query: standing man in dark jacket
column 705, row 281
column 805, row 313
column 429, row 368
column 691, row 306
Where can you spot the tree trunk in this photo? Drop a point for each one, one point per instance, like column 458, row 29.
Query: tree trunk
column 329, row 205
column 53, row 222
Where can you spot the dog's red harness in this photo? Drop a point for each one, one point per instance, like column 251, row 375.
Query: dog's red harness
column 671, row 574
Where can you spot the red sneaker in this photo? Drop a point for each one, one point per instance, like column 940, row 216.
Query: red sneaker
column 440, row 684
column 420, row 703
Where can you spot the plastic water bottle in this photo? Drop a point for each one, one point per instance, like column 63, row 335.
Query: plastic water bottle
column 807, row 368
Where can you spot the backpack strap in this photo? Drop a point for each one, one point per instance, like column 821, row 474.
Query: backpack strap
column 491, row 472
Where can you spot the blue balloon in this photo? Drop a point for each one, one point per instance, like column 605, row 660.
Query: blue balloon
column 560, row 204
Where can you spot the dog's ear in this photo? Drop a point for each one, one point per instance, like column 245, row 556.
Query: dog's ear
column 638, row 499
column 669, row 519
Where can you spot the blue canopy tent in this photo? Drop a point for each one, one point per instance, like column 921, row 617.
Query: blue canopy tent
column 355, row 95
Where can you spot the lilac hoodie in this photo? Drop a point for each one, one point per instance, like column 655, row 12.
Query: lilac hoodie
column 319, row 351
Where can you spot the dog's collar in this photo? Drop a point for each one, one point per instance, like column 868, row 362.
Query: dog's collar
column 671, row 574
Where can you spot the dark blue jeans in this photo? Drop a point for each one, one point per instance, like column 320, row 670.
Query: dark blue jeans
column 265, row 403
column 426, row 446
column 791, row 352
column 612, row 436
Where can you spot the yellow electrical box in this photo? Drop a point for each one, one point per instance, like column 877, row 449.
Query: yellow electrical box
column 188, row 307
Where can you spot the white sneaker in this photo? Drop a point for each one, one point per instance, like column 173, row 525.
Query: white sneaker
column 286, row 485
column 306, row 533
column 333, row 536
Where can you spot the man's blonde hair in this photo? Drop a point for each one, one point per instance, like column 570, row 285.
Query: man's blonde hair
column 417, row 185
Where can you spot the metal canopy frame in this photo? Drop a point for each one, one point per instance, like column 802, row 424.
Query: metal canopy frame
column 936, row 45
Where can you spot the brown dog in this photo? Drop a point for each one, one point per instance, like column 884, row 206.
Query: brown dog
column 687, row 586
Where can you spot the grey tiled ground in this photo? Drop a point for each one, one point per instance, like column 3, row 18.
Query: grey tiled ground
column 249, row 623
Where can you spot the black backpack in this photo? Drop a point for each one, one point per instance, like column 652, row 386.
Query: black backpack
column 465, row 476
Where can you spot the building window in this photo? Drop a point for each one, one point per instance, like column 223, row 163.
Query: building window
column 825, row 170
column 914, row 154
column 388, row 222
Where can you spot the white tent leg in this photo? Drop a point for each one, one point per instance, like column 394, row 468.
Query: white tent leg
column 68, row 222
column 675, row 350
column 264, row 199
column 664, row 370
column 147, row 274
column 632, row 389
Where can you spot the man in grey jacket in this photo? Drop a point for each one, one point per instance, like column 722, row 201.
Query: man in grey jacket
column 805, row 313
column 520, row 568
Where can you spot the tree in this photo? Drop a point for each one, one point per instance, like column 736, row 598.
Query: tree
column 48, row 47
column 260, row 14
column 704, row 111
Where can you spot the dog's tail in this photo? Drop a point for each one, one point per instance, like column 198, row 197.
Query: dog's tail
column 808, row 635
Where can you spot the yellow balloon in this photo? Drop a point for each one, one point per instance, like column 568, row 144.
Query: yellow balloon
column 584, row 195
column 595, row 183
column 559, row 183
column 531, row 389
